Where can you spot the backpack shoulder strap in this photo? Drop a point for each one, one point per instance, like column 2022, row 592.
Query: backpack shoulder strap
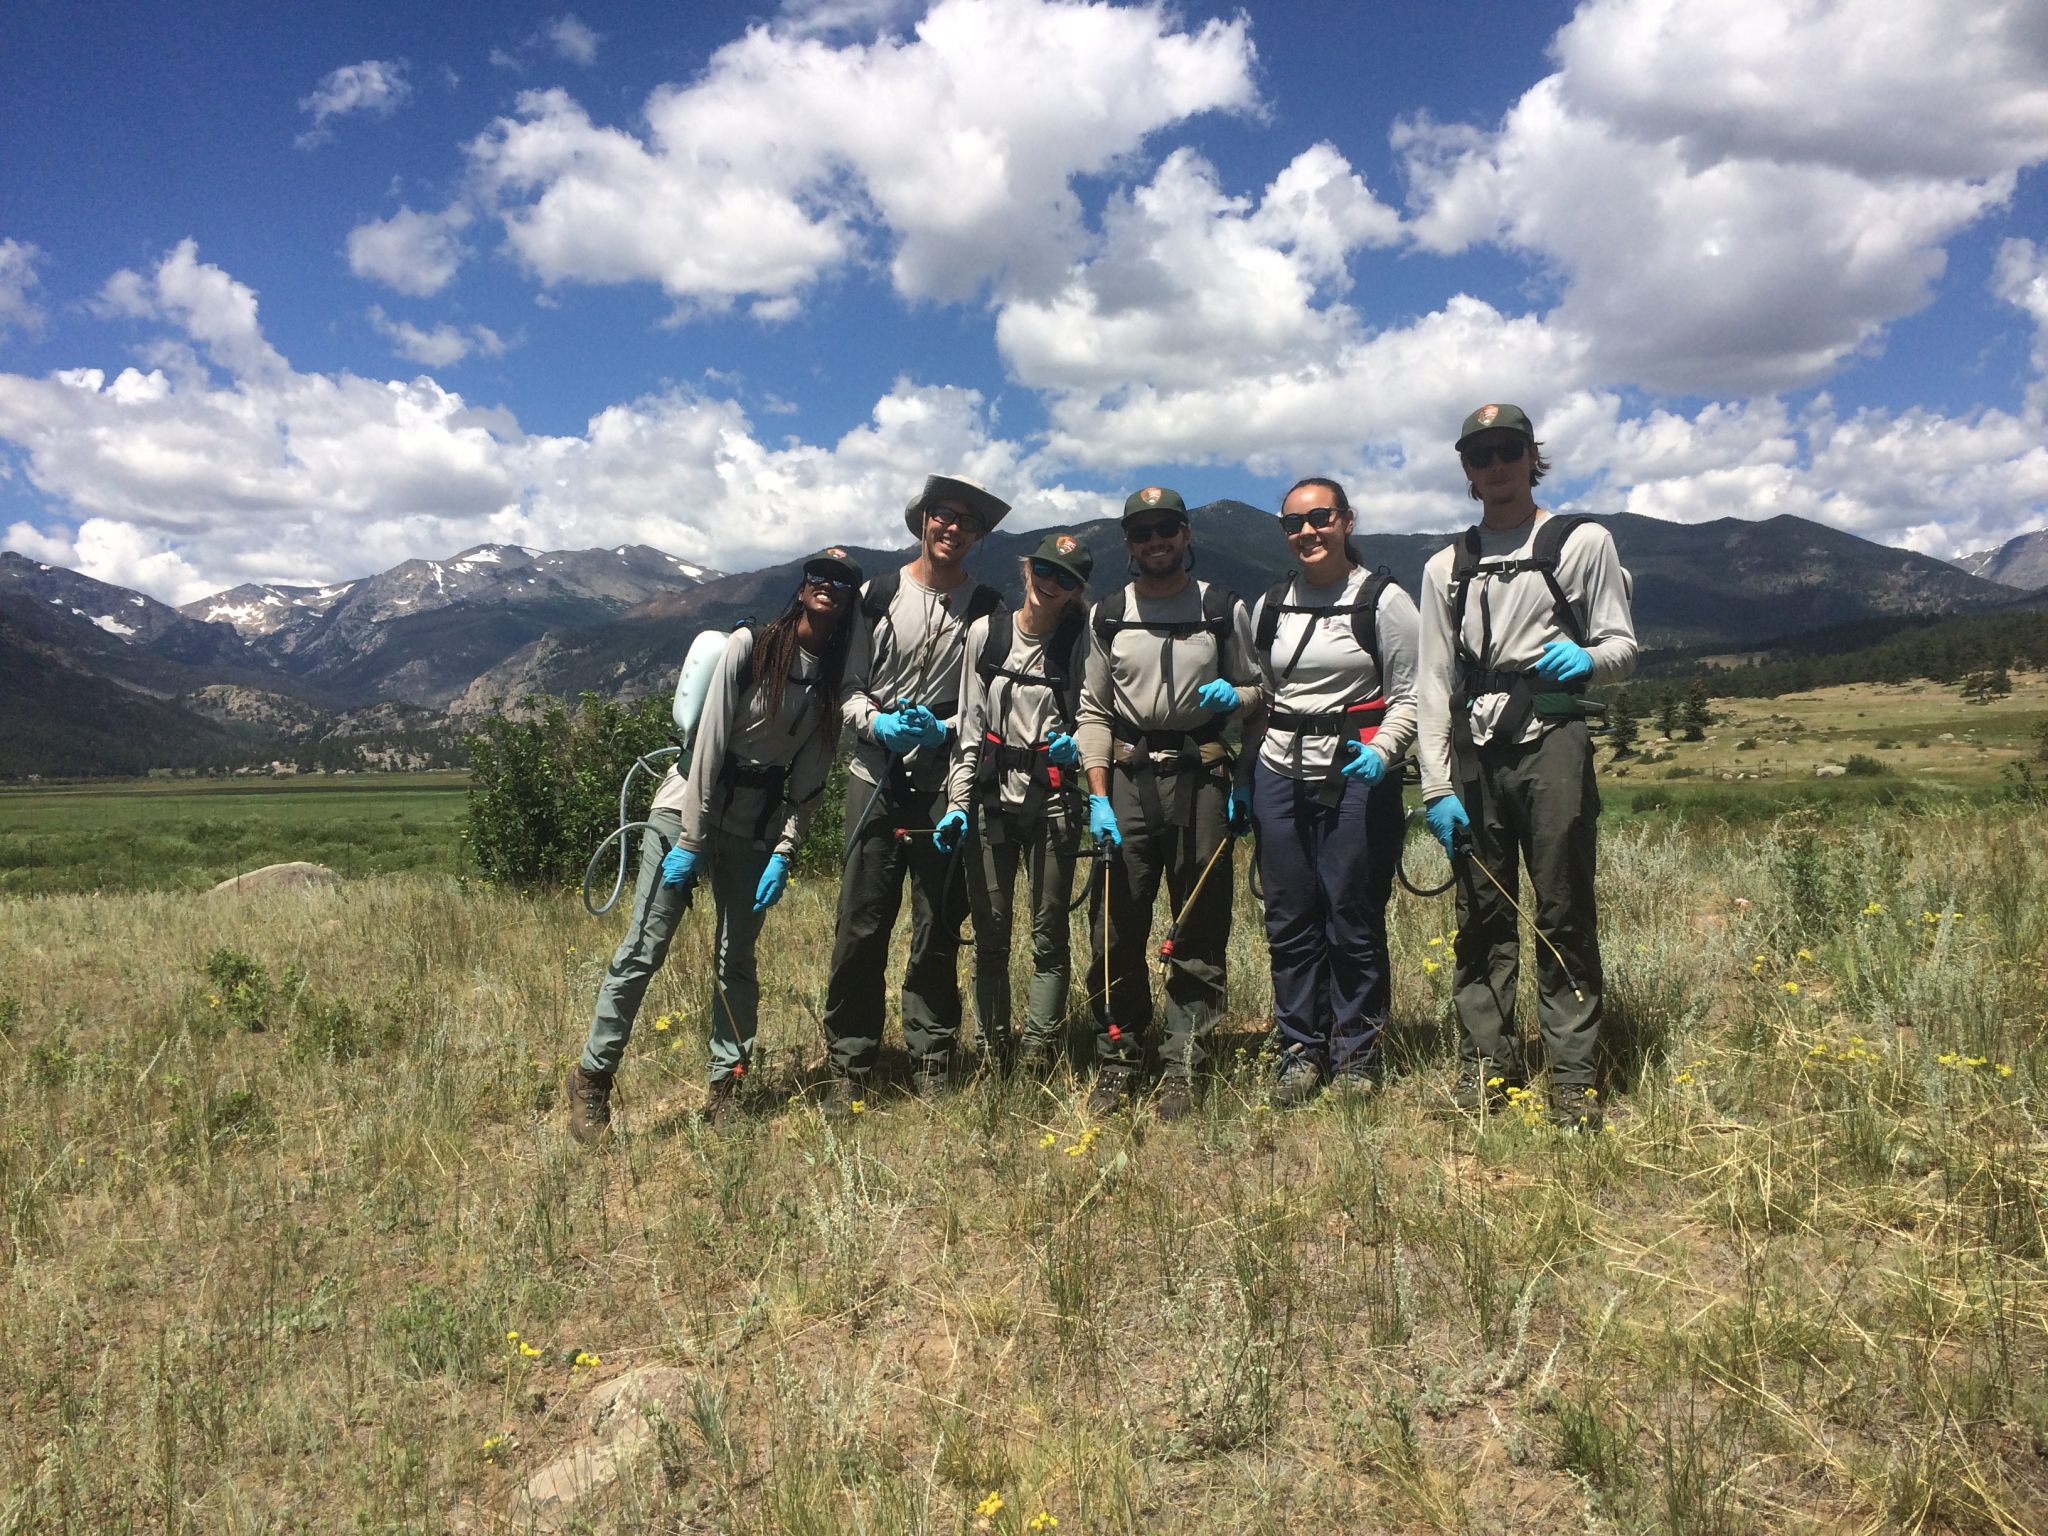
column 881, row 592
column 1217, row 601
column 746, row 677
column 1269, row 615
column 1109, row 616
column 1549, row 545
column 984, row 601
column 995, row 647
column 1365, row 619
column 1463, row 565
column 1064, row 649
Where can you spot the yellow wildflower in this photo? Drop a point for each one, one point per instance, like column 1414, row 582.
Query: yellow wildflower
column 859, row 1106
column 1806, row 954
column 1792, row 987
column 990, row 1507
column 2004, row 1070
column 1044, row 1521
column 1047, row 1139
column 1436, row 943
column 1430, row 967
column 585, row 1361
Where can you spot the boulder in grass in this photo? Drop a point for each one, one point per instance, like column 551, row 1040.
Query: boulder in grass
column 620, row 1419
column 272, row 878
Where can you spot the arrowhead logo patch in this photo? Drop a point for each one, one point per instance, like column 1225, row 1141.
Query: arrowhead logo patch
column 1150, row 495
column 1066, row 543
column 1485, row 415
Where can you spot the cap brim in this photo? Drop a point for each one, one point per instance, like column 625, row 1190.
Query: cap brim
column 991, row 509
column 1459, row 445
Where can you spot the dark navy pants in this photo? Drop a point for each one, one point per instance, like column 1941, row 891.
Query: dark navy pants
column 1327, row 871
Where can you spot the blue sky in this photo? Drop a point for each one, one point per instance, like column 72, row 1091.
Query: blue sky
column 294, row 293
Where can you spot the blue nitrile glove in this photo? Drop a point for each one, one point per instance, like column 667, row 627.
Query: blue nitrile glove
column 1102, row 821
column 897, row 731
column 1240, row 810
column 679, row 866
column 1366, row 765
column 1447, row 819
column 774, row 881
column 1563, row 662
column 951, row 828
column 935, row 730
column 1060, row 749
column 1217, row 695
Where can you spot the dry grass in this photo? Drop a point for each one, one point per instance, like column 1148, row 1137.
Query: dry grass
column 263, row 1281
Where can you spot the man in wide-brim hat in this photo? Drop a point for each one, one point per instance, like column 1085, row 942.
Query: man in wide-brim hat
column 901, row 700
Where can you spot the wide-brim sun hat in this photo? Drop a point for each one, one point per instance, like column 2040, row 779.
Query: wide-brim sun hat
column 971, row 494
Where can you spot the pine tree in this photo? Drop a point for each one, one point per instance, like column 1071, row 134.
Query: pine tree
column 1621, row 723
column 1697, row 716
column 1667, row 712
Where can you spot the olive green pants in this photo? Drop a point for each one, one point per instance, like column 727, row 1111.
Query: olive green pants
column 1534, row 804
column 1195, row 973
column 1045, row 850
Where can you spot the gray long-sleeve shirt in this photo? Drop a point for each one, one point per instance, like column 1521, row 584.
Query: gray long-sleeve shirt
column 1149, row 680
column 1020, row 713
column 735, row 729
column 1519, row 615
column 910, row 655
column 1333, row 670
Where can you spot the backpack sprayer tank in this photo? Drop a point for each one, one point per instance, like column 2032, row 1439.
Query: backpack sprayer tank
column 693, row 683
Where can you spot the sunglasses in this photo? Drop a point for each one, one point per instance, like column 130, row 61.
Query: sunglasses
column 946, row 517
column 1045, row 570
column 1507, row 453
column 835, row 583
column 1315, row 517
column 1145, row 533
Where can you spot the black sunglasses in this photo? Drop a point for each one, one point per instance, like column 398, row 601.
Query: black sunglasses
column 836, row 583
column 1145, row 533
column 1314, row 517
column 946, row 517
column 1508, row 453
column 1045, row 570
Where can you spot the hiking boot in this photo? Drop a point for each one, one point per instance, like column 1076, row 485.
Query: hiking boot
column 1576, row 1109
column 1112, row 1090
column 1035, row 1057
column 1479, row 1084
column 1176, row 1100
column 722, row 1104
column 590, row 1105
column 851, row 1094
column 933, row 1079
column 1354, row 1087
column 1297, row 1083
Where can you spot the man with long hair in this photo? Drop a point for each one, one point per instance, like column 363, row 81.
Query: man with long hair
column 756, row 773
column 900, row 698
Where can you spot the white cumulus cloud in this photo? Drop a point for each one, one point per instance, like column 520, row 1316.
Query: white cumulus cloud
column 375, row 86
column 442, row 347
column 573, row 40
column 416, row 253
column 954, row 145
column 18, row 281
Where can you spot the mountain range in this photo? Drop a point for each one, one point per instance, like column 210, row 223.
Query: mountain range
column 2018, row 562
column 386, row 670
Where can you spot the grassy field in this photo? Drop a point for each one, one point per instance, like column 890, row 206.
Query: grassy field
column 185, row 833
column 1934, row 750
column 282, row 1179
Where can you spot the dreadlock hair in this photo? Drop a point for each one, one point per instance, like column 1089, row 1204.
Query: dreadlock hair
column 1351, row 550
column 775, row 653
column 1537, row 470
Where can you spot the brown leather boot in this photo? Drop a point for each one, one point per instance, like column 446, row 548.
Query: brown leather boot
column 722, row 1104
column 590, row 1105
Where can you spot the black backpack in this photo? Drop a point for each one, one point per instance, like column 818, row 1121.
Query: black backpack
column 1216, row 605
column 1542, row 559
column 1059, row 657
column 1364, row 626
column 882, row 590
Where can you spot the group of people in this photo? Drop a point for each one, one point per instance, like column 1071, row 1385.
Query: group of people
column 984, row 742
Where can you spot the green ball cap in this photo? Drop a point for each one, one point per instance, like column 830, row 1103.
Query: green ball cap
column 1066, row 552
column 1494, row 418
column 834, row 562
column 1153, row 498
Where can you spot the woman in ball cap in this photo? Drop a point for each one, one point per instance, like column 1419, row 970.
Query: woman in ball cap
column 1015, row 770
column 764, row 743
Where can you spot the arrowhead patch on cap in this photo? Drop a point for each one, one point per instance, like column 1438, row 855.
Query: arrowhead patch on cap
column 1150, row 495
column 836, row 552
column 1485, row 415
column 1066, row 543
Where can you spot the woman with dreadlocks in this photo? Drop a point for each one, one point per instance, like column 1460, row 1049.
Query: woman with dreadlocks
column 769, row 730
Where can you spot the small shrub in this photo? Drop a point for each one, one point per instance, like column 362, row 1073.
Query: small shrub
column 240, row 1115
column 1681, row 773
column 52, row 1061
column 241, row 988
column 432, row 1334
column 10, row 1015
column 328, row 1029
column 1886, row 744
column 1863, row 766
column 1747, row 744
